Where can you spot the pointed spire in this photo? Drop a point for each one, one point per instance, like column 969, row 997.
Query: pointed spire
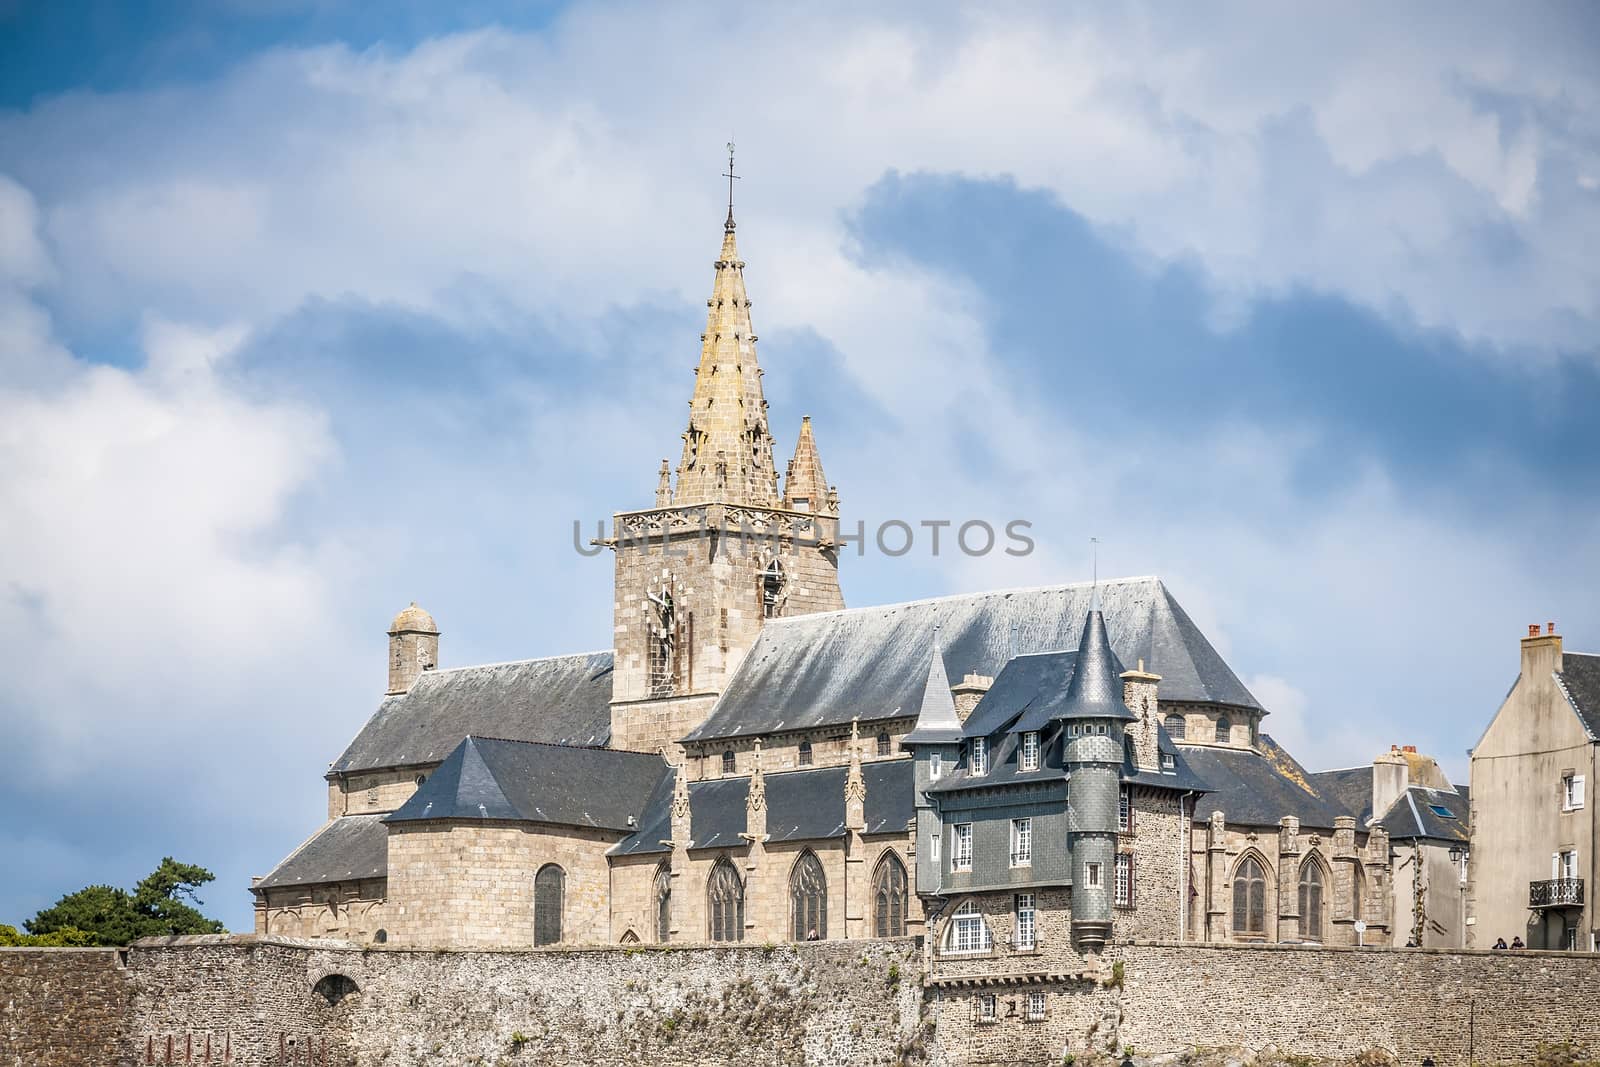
column 1095, row 691
column 805, row 487
column 855, row 786
column 728, row 448
column 756, row 798
column 937, row 722
column 680, row 809
column 664, row 486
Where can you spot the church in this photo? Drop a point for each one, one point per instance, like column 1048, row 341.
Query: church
column 1016, row 776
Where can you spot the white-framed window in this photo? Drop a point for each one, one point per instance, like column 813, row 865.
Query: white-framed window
column 1030, row 750
column 935, row 766
column 1035, row 1005
column 980, row 756
column 986, row 1008
column 1074, row 730
column 933, row 847
column 1125, row 809
column 1022, row 842
column 1566, row 864
column 968, row 932
column 1124, row 885
column 1571, row 792
column 961, row 847
column 1169, row 762
column 1093, row 875
column 1027, row 937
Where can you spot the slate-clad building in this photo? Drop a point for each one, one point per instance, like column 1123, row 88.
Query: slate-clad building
column 1021, row 775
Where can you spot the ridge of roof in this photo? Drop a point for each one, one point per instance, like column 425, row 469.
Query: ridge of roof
column 514, row 663
column 790, row 620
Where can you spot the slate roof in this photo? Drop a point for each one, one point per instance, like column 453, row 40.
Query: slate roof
column 1580, row 677
column 492, row 778
column 1412, row 815
column 824, row 669
column 1254, row 788
column 347, row 848
column 801, row 805
column 1348, row 787
column 937, row 721
column 561, row 700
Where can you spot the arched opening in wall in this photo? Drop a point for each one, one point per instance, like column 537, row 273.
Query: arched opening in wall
column 630, row 938
column 661, row 639
column 885, row 746
column 1224, row 730
column 729, row 763
column 663, row 895
column 725, row 902
column 334, row 988
column 774, row 589
column 967, row 932
column 1176, row 726
column 1358, row 892
column 549, row 897
column 889, row 897
column 381, row 937
column 1312, row 882
column 805, row 754
column 1250, row 899
column 808, row 898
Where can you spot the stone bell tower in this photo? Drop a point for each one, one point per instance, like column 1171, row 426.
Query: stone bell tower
column 723, row 550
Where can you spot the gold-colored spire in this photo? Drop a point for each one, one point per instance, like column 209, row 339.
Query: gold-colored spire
column 805, row 487
column 727, row 449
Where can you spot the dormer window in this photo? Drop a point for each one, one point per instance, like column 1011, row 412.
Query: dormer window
column 1030, row 751
column 979, row 764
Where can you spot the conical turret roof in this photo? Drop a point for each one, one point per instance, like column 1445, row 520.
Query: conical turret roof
column 805, row 487
column 1095, row 691
column 937, row 722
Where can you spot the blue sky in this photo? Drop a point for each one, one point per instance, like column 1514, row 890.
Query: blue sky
column 308, row 310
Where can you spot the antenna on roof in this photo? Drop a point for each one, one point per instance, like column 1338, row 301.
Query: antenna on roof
column 1011, row 642
column 1094, row 596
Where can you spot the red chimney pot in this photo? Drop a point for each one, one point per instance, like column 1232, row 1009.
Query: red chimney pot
column 1549, row 627
column 1533, row 629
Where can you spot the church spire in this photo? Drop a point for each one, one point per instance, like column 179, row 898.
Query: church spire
column 805, row 487
column 727, row 449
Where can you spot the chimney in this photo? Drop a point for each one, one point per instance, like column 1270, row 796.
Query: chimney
column 1391, row 774
column 968, row 692
column 1541, row 653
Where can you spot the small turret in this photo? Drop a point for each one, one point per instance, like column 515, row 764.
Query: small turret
column 413, row 648
column 1093, row 718
column 805, row 487
column 935, row 742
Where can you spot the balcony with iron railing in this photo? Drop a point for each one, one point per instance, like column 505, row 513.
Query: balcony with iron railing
column 1556, row 893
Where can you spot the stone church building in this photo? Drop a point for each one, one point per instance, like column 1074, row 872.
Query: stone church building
column 1018, row 775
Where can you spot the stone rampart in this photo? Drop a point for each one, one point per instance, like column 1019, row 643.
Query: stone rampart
column 60, row 1007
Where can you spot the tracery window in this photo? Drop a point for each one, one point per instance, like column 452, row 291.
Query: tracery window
column 883, row 744
column 1176, row 726
column 1250, row 899
column 725, row 895
column 663, row 891
column 774, row 590
column 1224, row 730
column 808, row 896
column 549, row 893
column 805, row 753
column 889, row 897
column 661, row 636
column 1311, row 900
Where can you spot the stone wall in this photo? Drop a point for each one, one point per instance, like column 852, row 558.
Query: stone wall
column 61, row 1007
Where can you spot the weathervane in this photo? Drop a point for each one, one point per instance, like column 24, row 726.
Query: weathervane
column 1095, row 588
column 731, row 176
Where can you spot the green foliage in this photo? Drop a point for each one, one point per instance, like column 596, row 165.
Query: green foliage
column 1560, row 1054
column 518, row 1039
column 1115, row 981
column 161, row 904
column 894, row 975
column 66, row 937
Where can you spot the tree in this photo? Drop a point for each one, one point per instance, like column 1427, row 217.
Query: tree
column 67, row 937
column 159, row 905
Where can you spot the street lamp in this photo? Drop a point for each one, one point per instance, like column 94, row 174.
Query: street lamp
column 1458, row 856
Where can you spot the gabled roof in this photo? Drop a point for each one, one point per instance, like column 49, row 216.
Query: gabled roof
column 1348, row 787
column 346, row 849
column 492, row 778
column 1413, row 815
column 871, row 663
column 802, row 805
column 561, row 700
column 1254, row 788
column 1580, row 677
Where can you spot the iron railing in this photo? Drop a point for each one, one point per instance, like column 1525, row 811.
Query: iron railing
column 1556, row 893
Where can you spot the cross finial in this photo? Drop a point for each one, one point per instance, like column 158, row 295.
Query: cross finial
column 731, row 176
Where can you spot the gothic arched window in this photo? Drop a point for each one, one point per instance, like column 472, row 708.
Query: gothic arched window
column 725, row 895
column 774, row 590
column 661, row 636
column 808, row 896
column 805, row 753
column 1224, row 730
column 663, row 890
column 728, row 762
column 883, row 744
column 1311, row 900
column 889, row 897
column 1176, row 727
column 549, row 895
column 1250, row 899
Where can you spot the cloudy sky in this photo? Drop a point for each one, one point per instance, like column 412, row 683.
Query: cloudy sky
column 307, row 313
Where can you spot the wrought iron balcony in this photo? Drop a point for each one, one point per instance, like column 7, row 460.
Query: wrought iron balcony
column 1556, row 893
